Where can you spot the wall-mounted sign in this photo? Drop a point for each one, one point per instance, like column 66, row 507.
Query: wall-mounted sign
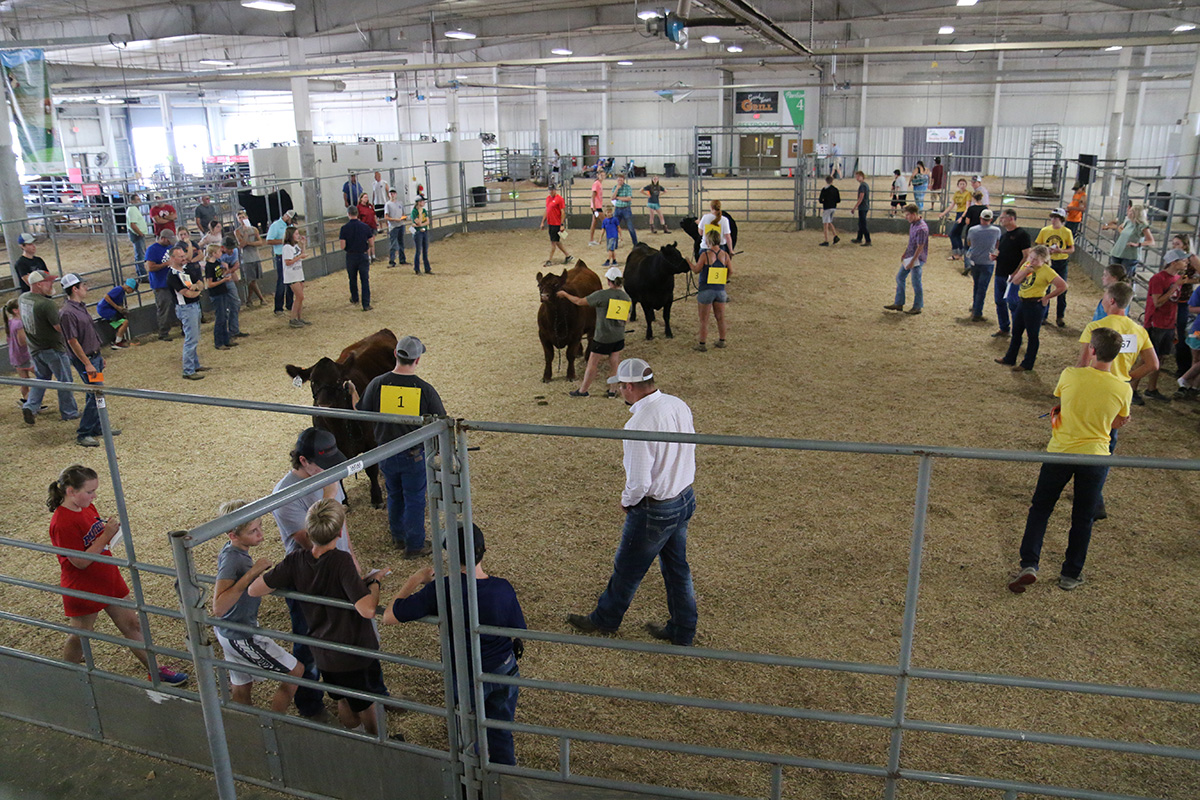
column 227, row 159
column 91, row 190
column 704, row 151
column 795, row 104
column 945, row 134
column 756, row 102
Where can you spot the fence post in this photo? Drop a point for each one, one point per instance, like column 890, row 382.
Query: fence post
column 912, row 590
column 192, row 604
column 462, row 195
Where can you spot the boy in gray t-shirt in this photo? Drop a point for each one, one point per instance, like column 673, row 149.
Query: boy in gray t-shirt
column 236, row 570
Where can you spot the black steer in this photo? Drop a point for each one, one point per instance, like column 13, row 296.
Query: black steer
column 650, row 281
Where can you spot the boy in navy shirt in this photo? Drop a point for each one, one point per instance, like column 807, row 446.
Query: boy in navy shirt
column 498, row 606
column 113, row 310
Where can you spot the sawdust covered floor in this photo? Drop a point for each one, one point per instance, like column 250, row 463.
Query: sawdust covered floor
column 800, row 554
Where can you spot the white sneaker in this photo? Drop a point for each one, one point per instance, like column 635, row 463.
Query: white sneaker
column 592, row 244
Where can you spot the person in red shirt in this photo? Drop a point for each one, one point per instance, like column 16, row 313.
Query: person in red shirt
column 366, row 215
column 162, row 215
column 555, row 207
column 76, row 525
column 1162, row 298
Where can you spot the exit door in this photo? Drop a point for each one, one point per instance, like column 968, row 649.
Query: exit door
column 591, row 147
column 759, row 151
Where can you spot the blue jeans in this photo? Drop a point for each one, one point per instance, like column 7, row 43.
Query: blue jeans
column 919, row 195
column 1000, row 287
column 1059, row 266
column 1053, row 478
column 396, row 245
column 139, row 253
column 308, row 700
column 500, row 703
column 956, row 242
column 653, row 529
column 89, row 423
column 982, row 275
column 420, row 248
column 222, row 305
column 235, row 308
column 282, row 290
column 47, row 364
column 918, row 291
column 189, row 319
column 358, row 265
column 404, row 476
column 1026, row 320
column 625, row 217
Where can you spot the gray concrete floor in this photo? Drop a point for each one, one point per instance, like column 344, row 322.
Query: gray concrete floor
column 37, row 763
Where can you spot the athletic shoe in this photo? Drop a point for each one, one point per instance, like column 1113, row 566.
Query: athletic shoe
column 193, row 376
column 591, row 244
column 836, row 239
column 367, row 308
column 577, row 393
column 701, row 347
column 566, row 260
column 87, row 441
column 295, row 323
column 120, row 345
column 658, row 631
column 222, row 347
column 1023, row 580
column 856, row 241
column 1137, row 400
column 721, row 343
column 171, row 677
column 823, row 244
column 1157, row 395
column 30, row 417
column 1068, row 584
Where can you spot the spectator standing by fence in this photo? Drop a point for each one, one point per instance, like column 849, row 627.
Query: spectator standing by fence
column 393, row 214
column 248, row 239
column 275, row 236
column 1076, row 207
column 654, row 190
column 1133, row 238
column 622, row 200
column 162, row 215
column 205, row 214
column 862, row 204
column 47, row 348
column 28, row 261
column 597, row 205
column 83, row 349
column 135, row 227
column 419, row 220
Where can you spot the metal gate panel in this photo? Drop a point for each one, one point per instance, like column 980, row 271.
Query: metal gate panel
column 516, row 788
column 250, row 750
column 153, row 721
column 46, row 693
column 350, row 767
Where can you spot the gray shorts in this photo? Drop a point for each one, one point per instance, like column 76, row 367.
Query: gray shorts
column 251, row 270
column 827, row 216
column 710, row 295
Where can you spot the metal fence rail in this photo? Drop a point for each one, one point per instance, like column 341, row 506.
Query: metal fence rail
column 460, row 631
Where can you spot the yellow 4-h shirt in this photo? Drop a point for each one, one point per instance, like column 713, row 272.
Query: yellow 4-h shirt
column 1056, row 237
column 1036, row 283
column 1091, row 400
column 1134, row 340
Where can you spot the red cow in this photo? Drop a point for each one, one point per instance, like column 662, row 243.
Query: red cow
column 561, row 323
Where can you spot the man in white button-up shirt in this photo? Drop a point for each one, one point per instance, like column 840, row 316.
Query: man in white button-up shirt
column 658, row 502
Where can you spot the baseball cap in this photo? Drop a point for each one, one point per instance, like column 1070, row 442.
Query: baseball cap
column 1171, row 256
column 410, row 347
column 70, row 279
column 1059, row 212
column 391, row 191
column 131, row 283
column 289, row 214
column 319, row 447
column 976, row 179
column 613, row 273
column 26, row 238
column 632, row 370
column 37, row 276
column 986, row 214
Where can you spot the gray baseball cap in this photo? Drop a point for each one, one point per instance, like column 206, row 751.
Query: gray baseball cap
column 1171, row 256
column 410, row 347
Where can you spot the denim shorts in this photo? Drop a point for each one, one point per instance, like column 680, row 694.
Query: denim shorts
column 710, row 295
column 612, row 244
column 652, row 206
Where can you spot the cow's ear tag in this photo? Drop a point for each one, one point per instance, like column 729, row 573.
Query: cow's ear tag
column 297, row 382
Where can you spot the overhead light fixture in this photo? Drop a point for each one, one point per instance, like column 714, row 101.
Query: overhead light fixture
column 459, row 34
column 624, row 63
column 1184, row 28
column 733, row 48
column 460, row 77
column 110, row 101
column 945, row 30
column 216, row 62
column 269, row 5
column 229, row 101
column 1112, row 49
column 966, row 2
column 648, row 14
column 710, row 39
column 562, row 51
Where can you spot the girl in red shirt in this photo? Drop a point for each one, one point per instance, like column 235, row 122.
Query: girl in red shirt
column 76, row 525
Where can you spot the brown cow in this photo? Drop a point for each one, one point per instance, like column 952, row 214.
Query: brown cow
column 359, row 363
column 561, row 323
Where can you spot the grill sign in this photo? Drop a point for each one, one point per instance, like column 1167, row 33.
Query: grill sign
column 756, row 102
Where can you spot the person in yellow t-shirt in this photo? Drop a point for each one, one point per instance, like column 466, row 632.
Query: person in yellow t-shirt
column 1061, row 242
column 1093, row 402
column 1039, row 285
column 960, row 201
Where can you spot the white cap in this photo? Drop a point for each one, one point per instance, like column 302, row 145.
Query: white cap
column 614, row 273
column 26, row 238
column 632, row 370
column 1061, row 213
column 70, row 279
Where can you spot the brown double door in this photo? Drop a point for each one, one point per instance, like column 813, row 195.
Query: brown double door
column 759, row 151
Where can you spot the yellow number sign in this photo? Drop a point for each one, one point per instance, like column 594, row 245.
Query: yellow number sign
column 400, row 400
column 718, row 275
column 618, row 309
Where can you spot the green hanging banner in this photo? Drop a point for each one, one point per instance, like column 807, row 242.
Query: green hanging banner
column 795, row 105
column 28, row 89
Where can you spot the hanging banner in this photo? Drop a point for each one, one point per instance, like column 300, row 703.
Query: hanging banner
column 27, row 85
column 795, row 104
column 945, row 134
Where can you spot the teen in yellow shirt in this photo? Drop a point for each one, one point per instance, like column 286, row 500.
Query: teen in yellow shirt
column 1061, row 242
column 1093, row 401
column 1034, row 277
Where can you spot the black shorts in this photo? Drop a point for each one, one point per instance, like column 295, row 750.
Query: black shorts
column 900, row 200
column 1163, row 340
column 606, row 348
column 358, row 679
column 554, row 229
